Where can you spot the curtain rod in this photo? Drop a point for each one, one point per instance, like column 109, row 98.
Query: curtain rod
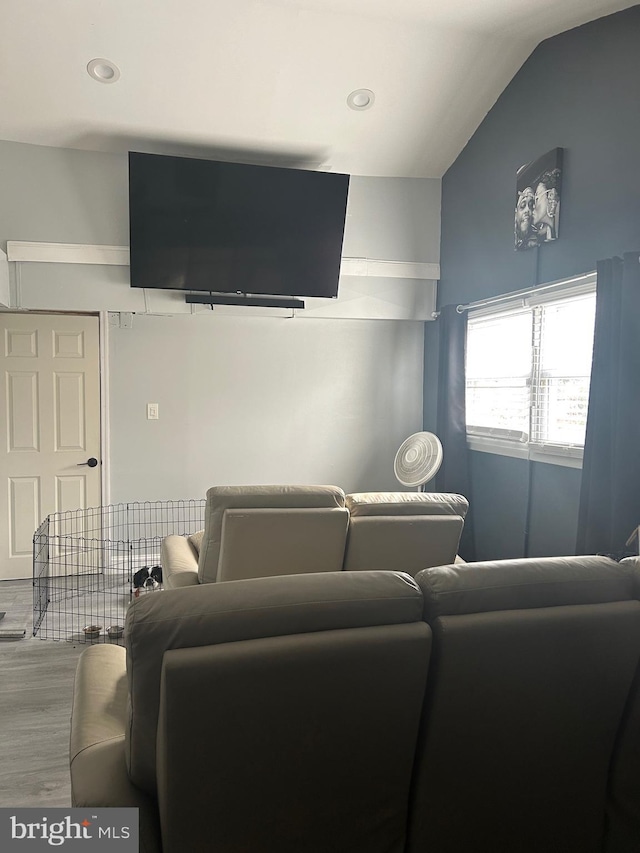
column 528, row 291
column 520, row 294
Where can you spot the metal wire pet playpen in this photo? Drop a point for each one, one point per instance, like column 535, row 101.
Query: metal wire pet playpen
column 84, row 562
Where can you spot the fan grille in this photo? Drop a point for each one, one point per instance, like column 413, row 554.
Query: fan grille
column 418, row 459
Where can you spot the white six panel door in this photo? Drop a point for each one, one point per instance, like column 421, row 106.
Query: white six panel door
column 50, row 426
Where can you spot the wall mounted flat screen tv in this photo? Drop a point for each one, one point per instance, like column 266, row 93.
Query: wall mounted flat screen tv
column 231, row 228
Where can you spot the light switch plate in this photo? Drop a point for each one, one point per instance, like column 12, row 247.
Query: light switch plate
column 152, row 412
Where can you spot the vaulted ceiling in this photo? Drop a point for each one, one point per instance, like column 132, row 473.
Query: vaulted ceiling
column 267, row 80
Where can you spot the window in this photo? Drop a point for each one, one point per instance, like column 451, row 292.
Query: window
column 528, row 373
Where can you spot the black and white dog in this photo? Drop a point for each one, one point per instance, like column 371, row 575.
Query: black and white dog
column 147, row 578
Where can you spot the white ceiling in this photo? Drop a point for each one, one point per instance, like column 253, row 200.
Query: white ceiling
column 267, row 80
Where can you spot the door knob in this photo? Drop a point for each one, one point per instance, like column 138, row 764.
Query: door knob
column 91, row 462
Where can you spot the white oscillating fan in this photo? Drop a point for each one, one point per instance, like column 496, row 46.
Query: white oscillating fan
column 418, row 459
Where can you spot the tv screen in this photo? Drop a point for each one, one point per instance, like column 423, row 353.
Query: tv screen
column 233, row 228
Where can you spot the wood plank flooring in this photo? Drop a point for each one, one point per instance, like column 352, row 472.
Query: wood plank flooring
column 36, row 685
column 16, row 599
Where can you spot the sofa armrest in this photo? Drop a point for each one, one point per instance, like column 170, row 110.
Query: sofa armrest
column 100, row 695
column 179, row 562
column 99, row 777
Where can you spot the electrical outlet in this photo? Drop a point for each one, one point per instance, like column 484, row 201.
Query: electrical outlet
column 152, row 412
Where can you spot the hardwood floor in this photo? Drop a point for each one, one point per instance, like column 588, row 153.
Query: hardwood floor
column 16, row 601
column 36, row 684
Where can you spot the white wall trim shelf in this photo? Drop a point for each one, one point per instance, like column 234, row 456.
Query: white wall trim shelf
column 369, row 289
column 67, row 253
column 389, row 269
column 78, row 253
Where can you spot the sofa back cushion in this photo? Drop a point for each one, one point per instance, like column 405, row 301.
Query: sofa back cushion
column 532, row 664
column 308, row 744
column 258, row 543
column 238, row 611
column 222, row 500
column 403, row 531
column 406, row 503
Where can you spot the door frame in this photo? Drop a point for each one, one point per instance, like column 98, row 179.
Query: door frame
column 105, row 433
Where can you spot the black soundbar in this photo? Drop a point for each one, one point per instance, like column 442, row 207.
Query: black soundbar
column 253, row 301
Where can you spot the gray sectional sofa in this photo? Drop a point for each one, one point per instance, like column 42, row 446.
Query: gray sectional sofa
column 478, row 707
column 260, row 531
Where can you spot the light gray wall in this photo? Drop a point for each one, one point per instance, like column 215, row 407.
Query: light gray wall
column 260, row 400
column 56, row 195
column 242, row 398
column 61, row 195
column 393, row 219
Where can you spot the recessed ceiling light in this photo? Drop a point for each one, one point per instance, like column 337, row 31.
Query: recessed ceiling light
column 103, row 70
column 361, row 99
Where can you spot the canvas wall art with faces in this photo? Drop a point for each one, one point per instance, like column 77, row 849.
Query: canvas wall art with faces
column 538, row 190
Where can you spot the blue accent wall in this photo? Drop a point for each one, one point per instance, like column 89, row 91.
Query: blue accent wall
column 579, row 91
